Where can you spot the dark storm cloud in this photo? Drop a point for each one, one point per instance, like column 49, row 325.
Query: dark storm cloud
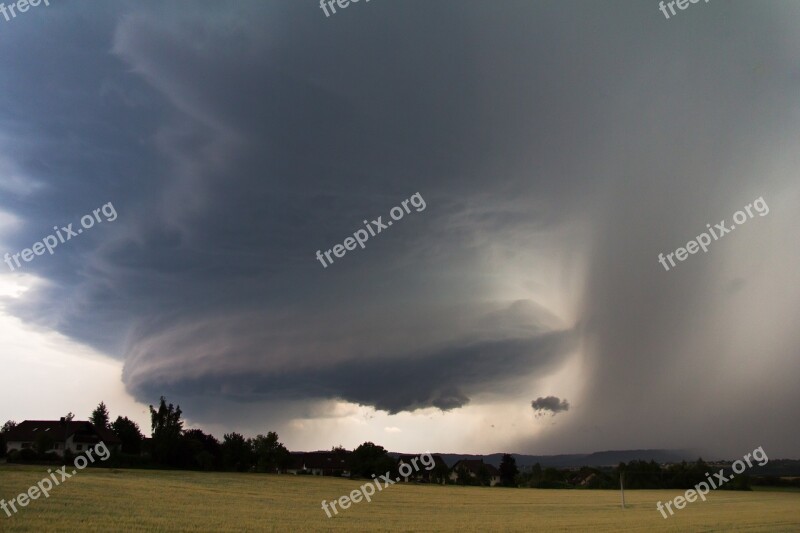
column 237, row 138
column 443, row 379
column 268, row 154
column 550, row 404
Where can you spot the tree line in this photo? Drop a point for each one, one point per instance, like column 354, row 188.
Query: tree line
column 172, row 446
column 635, row 475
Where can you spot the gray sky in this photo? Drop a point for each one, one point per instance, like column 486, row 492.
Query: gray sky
column 559, row 148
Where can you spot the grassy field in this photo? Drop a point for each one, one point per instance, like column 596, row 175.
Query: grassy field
column 140, row 500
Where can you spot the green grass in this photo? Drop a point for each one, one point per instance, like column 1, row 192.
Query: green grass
column 152, row 500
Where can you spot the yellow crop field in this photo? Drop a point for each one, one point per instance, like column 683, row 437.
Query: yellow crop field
column 151, row 500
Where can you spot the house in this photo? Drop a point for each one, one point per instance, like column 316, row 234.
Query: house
column 421, row 473
column 54, row 434
column 320, row 463
column 474, row 468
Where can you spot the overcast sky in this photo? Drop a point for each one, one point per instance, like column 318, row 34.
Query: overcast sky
column 559, row 147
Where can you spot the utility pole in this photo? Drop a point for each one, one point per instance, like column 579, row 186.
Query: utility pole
column 622, row 486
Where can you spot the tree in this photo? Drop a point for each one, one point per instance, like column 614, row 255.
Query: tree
column 100, row 416
column 440, row 473
column 643, row 475
column 128, row 432
column 167, row 428
column 237, row 452
column 65, row 420
column 8, row 426
column 341, row 458
column 554, row 475
column 200, row 451
column 369, row 459
column 270, row 454
column 484, row 477
column 463, row 477
column 530, row 476
column 508, row 471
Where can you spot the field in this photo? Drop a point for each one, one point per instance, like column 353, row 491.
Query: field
column 142, row 500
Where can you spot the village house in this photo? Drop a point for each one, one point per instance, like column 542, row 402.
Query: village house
column 320, row 463
column 54, row 435
column 474, row 468
column 421, row 474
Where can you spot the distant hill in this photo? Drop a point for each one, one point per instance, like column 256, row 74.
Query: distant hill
column 607, row 458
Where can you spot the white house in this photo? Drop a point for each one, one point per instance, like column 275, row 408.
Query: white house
column 53, row 435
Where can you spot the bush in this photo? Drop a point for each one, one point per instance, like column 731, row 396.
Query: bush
column 26, row 455
column 738, row 483
column 29, row 455
column 51, row 457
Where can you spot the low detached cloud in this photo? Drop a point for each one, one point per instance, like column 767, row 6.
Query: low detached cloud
column 549, row 404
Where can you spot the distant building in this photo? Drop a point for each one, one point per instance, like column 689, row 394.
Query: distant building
column 77, row 436
column 320, row 463
column 421, row 474
column 473, row 468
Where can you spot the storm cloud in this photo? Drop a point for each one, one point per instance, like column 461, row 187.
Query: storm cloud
column 559, row 148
